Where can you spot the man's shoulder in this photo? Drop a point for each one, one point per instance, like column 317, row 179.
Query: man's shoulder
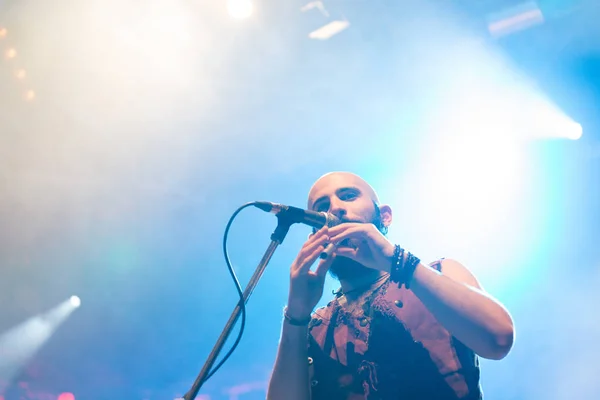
column 437, row 264
column 458, row 271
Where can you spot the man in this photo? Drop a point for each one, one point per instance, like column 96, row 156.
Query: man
column 397, row 329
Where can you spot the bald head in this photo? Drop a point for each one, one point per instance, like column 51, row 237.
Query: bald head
column 334, row 181
column 351, row 199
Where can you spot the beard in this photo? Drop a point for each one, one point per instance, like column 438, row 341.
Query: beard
column 345, row 268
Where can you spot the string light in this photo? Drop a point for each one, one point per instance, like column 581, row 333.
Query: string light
column 20, row 73
column 10, row 53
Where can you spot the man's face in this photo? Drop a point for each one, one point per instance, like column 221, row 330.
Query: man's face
column 351, row 199
column 344, row 195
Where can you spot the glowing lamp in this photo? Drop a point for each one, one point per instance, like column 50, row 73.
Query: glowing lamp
column 239, row 9
column 574, row 132
column 75, row 301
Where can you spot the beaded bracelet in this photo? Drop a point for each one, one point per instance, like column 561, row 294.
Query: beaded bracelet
column 403, row 268
column 411, row 264
column 397, row 265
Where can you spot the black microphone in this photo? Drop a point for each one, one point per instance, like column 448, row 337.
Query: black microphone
column 298, row 215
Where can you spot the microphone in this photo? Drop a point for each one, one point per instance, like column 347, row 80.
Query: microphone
column 297, row 215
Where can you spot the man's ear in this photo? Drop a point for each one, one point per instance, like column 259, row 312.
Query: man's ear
column 386, row 215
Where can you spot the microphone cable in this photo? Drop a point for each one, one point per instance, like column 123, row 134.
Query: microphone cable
column 238, row 288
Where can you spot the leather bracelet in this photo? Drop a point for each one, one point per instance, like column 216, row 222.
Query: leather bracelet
column 397, row 267
column 403, row 267
column 296, row 322
column 409, row 270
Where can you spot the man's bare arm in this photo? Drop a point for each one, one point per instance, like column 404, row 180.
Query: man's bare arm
column 458, row 302
column 290, row 380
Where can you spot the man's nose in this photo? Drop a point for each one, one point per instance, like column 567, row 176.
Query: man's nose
column 338, row 209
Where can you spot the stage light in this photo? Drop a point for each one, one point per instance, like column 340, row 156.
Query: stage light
column 327, row 31
column 3, row 33
column 239, row 9
column 20, row 73
column 66, row 396
column 574, row 132
column 548, row 121
column 20, row 343
column 10, row 53
column 75, row 301
column 514, row 19
column 565, row 128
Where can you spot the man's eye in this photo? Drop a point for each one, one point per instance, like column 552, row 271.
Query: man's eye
column 348, row 196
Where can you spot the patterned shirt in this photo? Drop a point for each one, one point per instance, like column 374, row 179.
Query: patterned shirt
column 389, row 348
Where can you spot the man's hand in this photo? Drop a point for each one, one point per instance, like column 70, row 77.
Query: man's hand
column 306, row 286
column 373, row 249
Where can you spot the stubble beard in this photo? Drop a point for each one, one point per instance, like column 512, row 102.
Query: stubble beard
column 344, row 268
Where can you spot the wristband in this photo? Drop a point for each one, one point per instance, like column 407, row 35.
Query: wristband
column 403, row 267
column 409, row 270
column 397, row 265
column 296, row 322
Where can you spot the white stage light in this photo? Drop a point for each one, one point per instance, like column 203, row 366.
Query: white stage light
column 551, row 122
column 239, row 9
column 22, row 342
column 574, row 132
column 75, row 301
column 327, row 31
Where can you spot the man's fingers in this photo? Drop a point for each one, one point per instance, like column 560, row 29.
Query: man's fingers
column 342, row 228
column 352, row 232
column 316, row 242
column 346, row 252
column 304, row 267
column 324, row 265
column 321, row 231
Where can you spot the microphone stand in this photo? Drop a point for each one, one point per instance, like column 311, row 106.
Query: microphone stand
column 284, row 222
